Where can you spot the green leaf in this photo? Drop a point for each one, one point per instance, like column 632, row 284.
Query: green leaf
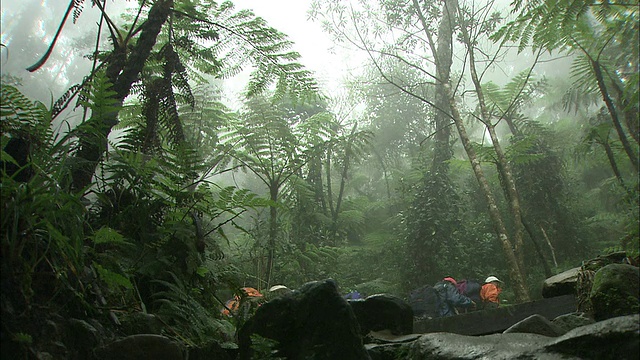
column 107, row 235
column 112, row 279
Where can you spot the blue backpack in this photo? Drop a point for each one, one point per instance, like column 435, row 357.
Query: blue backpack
column 424, row 302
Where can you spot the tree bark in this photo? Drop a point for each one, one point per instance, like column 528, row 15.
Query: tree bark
column 443, row 56
column 504, row 167
column 633, row 155
column 273, row 232
column 122, row 71
column 343, row 179
column 515, row 274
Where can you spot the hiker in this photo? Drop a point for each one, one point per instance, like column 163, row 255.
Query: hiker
column 246, row 296
column 490, row 293
column 277, row 291
column 450, row 298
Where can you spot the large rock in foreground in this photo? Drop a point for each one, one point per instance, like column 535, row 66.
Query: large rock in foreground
column 615, row 291
column 314, row 322
column 383, row 312
column 617, row 338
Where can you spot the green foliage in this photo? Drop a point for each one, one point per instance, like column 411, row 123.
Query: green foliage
column 23, row 339
column 432, row 229
column 112, row 279
column 552, row 24
column 21, row 116
column 179, row 305
column 215, row 39
column 306, row 262
column 42, row 225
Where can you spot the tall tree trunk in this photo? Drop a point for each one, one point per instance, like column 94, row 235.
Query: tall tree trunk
column 504, row 167
column 385, row 173
column 614, row 166
column 536, row 246
column 629, row 110
column 273, row 232
column 343, row 179
column 329, row 187
column 631, row 153
column 443, row 56
column 515, row 273
column 122, row 70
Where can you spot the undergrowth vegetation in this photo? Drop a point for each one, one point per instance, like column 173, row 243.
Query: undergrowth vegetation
column 169, row 203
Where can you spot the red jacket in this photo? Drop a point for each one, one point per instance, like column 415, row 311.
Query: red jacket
column 490, row 293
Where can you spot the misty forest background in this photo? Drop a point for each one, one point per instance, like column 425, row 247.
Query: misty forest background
column 138, row 187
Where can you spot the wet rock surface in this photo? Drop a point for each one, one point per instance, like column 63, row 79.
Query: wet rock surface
column 571, row 321
column 616, row 338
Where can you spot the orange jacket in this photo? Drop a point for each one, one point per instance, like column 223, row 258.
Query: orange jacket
column 490, row 293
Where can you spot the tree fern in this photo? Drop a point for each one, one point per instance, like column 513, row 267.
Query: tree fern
column 599, row 32
column 221, row 42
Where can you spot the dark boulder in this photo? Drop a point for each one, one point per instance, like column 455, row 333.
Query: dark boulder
column 210, row 351
column 383, row 312
column 141, row 346
column 314, row 322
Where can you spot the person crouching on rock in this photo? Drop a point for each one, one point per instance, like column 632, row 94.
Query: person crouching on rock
column 450, row 298
column 490, row 293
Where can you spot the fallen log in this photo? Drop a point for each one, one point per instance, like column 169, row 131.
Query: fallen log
column 497, row 320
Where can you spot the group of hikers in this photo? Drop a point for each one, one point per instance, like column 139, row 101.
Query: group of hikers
column 446, row 298
column 449, row 297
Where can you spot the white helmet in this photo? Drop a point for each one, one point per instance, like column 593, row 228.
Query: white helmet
column 492, row 279
column 278, row 287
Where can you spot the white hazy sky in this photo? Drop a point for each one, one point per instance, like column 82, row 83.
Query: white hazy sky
column 315, row 46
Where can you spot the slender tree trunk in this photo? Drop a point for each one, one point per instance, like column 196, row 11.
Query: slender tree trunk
column 329, row 187
column 629, row 110
column 536, row 246
column 122, row 70
column 443, row 56
column 384, row 172
column 529, row 230
column 273, row 232
column 514, row 198
column 633, row 155
column 315, row 175
column 612, row 161
column 343, row 177
column 515, row 273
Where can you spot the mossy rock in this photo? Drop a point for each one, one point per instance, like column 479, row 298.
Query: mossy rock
column 615, row 291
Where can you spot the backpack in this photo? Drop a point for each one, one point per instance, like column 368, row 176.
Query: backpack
column 424, row 301
column 470, row 289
